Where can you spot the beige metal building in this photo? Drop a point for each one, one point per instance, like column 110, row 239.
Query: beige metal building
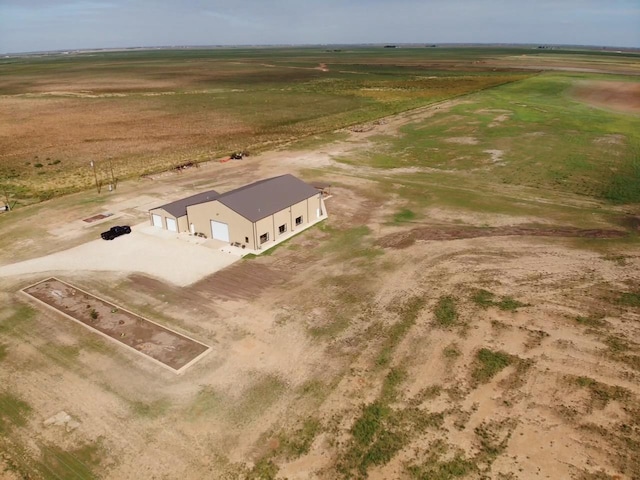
column 256, row 216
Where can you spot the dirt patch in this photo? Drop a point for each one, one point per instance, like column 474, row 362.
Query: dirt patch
column 161, row 344
column 462, row 140
column 618, row 96
column 245, row 280
column 499, row 119
column 95, row 218
column 496, row 155
column 406, row 239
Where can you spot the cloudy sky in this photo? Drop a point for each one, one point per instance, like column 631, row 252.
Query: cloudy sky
column 34, row 25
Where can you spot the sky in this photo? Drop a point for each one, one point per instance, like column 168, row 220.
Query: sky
column 42, row 25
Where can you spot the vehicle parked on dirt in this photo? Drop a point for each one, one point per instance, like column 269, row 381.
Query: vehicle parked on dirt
column 116, row 231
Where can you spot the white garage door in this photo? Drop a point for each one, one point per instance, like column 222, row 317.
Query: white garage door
column 157, row 220
column 219, row 231
column 172, row 226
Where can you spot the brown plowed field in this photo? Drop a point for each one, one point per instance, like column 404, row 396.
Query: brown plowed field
column 619, row 96
column 407, row 238
column 244, row 280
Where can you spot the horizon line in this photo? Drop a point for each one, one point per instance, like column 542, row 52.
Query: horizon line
column 309, row 45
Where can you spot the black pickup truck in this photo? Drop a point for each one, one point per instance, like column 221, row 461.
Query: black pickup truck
column 114, row 232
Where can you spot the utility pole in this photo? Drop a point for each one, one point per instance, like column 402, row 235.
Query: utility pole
column 95, row 175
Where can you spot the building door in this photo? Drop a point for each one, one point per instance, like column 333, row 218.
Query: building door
column 219, row 231
column 172, row 226
column 157, row 220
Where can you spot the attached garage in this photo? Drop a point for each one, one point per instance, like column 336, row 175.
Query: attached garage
column 156, row 220
column 220, row 231
column 172, row 225
column 173, row 216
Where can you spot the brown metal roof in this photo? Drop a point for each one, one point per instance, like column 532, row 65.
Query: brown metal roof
column 179, row 207
column 266, row 197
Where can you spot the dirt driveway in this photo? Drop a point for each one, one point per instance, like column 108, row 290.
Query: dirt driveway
column 146, row 250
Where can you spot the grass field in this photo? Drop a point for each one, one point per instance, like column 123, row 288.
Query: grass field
column 423, row 331
column 530, row 133
column 139, row 112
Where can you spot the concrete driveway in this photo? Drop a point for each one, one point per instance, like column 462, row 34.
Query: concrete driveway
column 176, row 258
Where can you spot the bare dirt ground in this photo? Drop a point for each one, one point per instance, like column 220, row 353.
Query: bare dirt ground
column 619, row 96
column 336, row 337
column 407, row 238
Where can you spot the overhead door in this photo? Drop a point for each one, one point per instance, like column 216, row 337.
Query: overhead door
column 219, row 231
column 157, row 220
column 172, row 225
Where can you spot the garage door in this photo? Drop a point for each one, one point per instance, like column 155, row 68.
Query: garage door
column 157, row 220
column 172, row 226
column 219, row 231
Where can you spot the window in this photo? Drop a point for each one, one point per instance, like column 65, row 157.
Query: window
column 246, row 239
column 299, row 220
column 282, row 229
column 264, row 238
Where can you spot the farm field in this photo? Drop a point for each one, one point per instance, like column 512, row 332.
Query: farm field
column 470, row 309
column 133, row 113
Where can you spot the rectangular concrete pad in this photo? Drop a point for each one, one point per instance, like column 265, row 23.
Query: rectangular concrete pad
column 160, row 344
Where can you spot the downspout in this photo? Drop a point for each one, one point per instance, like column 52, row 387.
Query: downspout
column 255, row 238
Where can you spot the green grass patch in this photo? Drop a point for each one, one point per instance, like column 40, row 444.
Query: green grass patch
column 407, row 311
column 373, row 442
column 488, row 363
column 264, row 469
column 22, row 315
column 77, row 464
column 207, row 402
column 299, row 442
column 624, row 185
column 349, row 243
column 629, row 299
column 156, row 408
column 434, row 468
column 451, row 352
column 592, row 321
column 13, row 411
column 485, row 299
column 338, row 324
column 404, row 215
column 510, row 304
column 257, row 398
column 380, row 431
column 3, row 351
column 392, row 381
column 445, row 313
